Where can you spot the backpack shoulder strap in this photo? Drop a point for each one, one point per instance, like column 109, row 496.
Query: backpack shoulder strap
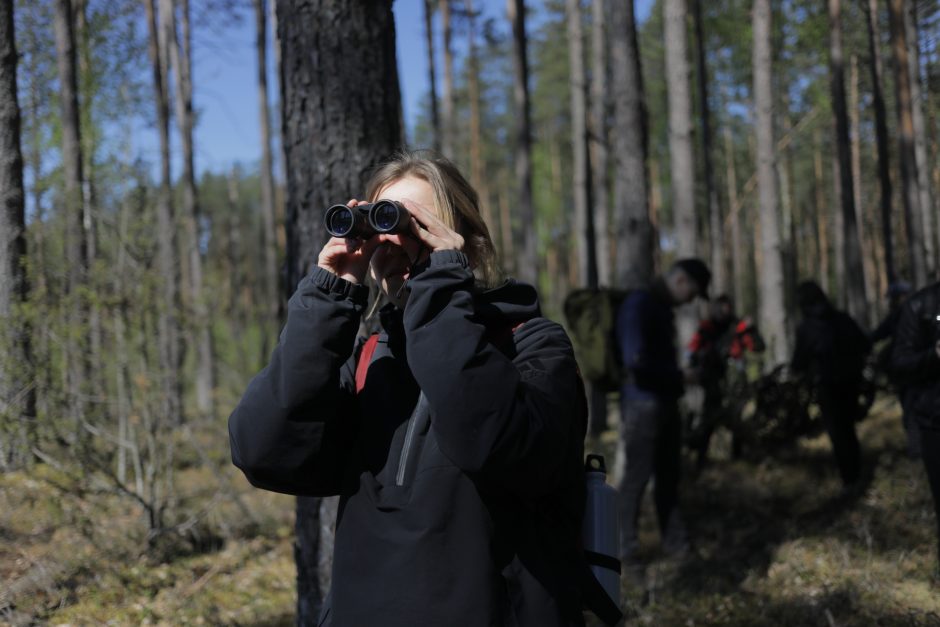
column 365, row 358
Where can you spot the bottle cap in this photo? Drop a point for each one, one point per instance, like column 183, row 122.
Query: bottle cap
column 595, row 463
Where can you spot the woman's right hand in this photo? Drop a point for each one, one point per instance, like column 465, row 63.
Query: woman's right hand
column 348, row 258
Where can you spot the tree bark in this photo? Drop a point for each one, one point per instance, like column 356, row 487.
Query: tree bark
column 881, row 138
column 168, row 332
column 584, row 222
column 180, row 54
column 772, row 308
column 854, row 280
column 478, row 176
column 711, row 191
column 920, row 140
column 527, row 262
column 854, row 131
column 633, row 230
column 599, row 140
column 734, row 209
column 447, row 95
column 17, row 399
column 271, row 282
column 336, row 132
column 909, row 191
column 432, row 75
column 682, row 171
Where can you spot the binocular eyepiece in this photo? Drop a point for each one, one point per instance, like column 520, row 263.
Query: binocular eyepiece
column 382, row 216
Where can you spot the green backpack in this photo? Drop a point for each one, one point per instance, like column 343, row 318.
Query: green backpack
column 591, row 315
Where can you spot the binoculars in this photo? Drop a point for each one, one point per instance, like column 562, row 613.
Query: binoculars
column 382, row 216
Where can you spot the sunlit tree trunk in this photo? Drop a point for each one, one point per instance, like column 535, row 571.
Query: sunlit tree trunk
column 584, row 223
column 682, row 171
column 168, row 331
column 478, row 175
column 527, row 254
column 772, row 309
column 336, row 131
column 734, row 210
column 632, row 230
column 180, row 55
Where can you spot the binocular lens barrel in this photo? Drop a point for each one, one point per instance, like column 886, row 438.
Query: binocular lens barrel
column 383, row 216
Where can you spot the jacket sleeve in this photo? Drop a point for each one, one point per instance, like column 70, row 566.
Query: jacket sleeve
column 515, row 420
column 295, row 423
column 914, row 356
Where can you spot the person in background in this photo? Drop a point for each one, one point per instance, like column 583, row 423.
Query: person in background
column 830, row 351
column 915, row 361
column 650, row 424
column 721, row 340
column 898, row 293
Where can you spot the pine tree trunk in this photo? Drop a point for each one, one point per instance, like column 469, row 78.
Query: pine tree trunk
column 867, row 259
column 584, row 222
column 819, row 209
column 909, row 190
column 336, row 131
column 711, row 191
column 447, row 95
column 772, row 309
column 682, row 171
column 76, row 243
column 734, row 209
column 432, row 75
column 854, row 285
column 920, row 139
column 527, row 264
column 180, row 54
column 168, row 331
column 271, row 282
column 599, row 140
column 881, row 138
column 17, row 399
column 478, row 175
column 632, row 227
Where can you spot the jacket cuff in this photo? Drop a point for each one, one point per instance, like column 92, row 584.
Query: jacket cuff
column 445, row 257
column 333, row 284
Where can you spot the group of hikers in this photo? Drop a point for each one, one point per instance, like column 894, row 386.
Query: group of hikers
column 454, row 437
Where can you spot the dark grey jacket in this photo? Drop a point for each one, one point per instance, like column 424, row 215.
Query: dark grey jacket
column 458, row 463
column 914, row 360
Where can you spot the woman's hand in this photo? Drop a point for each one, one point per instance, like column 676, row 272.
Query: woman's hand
column 431, row 230
column 348, row 258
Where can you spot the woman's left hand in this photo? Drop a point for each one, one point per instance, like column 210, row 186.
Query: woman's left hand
column 431, row 230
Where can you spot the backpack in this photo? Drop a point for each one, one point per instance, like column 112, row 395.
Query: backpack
column 591, row 315
column 593, row 596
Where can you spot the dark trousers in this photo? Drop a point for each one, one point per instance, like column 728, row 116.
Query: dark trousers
column 930, row 453
column 651, row 437
column 839, row 406
column 911, row 430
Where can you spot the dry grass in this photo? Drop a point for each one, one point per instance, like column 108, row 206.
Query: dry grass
column 775, row 544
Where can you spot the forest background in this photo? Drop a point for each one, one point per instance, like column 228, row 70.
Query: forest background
column 143, row 271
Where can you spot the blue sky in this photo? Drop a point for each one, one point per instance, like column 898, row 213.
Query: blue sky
column 228, row 129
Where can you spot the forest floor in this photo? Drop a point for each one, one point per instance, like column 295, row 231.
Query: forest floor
column 775, row 543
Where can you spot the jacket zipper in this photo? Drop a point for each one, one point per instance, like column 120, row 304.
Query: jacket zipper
column 409, row 439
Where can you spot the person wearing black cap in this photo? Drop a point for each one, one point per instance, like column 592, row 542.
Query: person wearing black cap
column 650, row 423
column 831, row 350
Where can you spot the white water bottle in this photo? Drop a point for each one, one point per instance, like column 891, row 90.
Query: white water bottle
column 600, row 532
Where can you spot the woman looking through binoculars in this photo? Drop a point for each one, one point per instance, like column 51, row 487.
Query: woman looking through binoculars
column 454, row 438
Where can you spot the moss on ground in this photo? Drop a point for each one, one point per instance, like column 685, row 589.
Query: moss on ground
column 775, row 543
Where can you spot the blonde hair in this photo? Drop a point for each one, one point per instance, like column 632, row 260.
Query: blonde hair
column 455, row 201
